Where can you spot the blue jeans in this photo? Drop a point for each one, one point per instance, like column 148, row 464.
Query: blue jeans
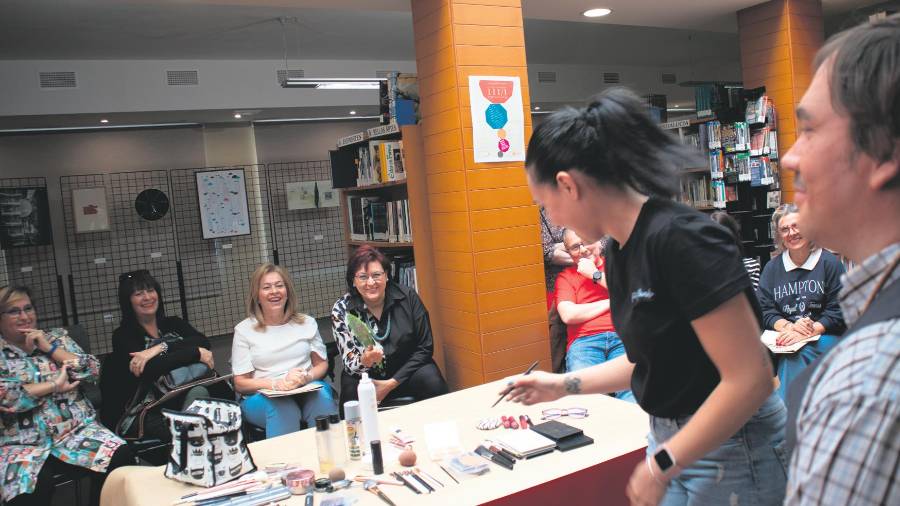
column 282, row 415
column 588, row 351
column 749, row 468
column 792, row 364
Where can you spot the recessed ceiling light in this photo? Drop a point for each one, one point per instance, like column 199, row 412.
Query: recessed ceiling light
column 675, row 106
column 104, row 121
column 596, row 13
column 352, row 113
column 237, row 115
column 537, row 108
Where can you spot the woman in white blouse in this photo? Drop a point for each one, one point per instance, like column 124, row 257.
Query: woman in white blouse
column 278, row 348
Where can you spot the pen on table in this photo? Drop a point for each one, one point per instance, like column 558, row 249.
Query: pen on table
column 510, row 388
column 448, row 473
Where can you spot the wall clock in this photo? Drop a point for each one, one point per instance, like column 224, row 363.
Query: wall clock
column 151, row 204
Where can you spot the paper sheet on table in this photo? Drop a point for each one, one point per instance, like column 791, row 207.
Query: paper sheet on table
column 768, row 338
column 312, row 387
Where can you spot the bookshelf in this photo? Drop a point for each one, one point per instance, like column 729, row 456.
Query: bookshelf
column 390, row 214
column 742, row 176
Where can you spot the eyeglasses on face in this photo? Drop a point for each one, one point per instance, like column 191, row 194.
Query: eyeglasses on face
column 375, row 276
column 15, row 312
column 576, row 248
column 550, row 414
column 785, row 230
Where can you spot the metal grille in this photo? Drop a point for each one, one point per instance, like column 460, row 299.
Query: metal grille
column 283, row 75
column 34, row 267
column 310, row 241
column 668, row 78
column 58, row 80
column 182, row 78
column 96, row 259
column 611, row 78
column 546, row 77
column 217, row 271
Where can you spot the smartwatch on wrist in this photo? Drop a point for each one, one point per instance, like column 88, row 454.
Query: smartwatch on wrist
column 597, row 276
column 666, row 462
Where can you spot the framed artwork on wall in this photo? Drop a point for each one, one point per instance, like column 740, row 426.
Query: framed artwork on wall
column 222, row 196
column 301, row 195
column 328, row 196
column 24, row 217
column 89, row 210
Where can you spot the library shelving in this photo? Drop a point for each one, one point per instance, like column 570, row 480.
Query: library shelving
column 380, row 173
column 742, row 176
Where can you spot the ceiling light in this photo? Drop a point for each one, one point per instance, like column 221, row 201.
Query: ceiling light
column 237, row 115
column 675, row 106
column 337, row 83
column 537, row 108
column 596, row 13
column 104, row 121
column 352, row 113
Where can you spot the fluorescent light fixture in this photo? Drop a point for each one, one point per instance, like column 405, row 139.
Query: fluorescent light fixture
column 104, row 121
column 596, row 13
column 97, row 128
column 308, row 120
column 336, row 83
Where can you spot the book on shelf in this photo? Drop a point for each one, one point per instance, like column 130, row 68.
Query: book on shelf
column 403, row 271
column 374, row 219
column 380, row 161
column 696, row 192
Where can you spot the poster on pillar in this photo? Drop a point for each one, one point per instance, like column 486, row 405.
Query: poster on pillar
column 498, row 124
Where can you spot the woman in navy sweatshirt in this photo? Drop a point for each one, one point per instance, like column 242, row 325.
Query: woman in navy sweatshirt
column 798, row 293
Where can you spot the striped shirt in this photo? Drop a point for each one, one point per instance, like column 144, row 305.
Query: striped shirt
column 848, row 447
column 752, row 267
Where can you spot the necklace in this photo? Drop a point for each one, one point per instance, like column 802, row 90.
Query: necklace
column 387, row 331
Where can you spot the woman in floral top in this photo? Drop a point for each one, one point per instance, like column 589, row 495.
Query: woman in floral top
column 46, row 424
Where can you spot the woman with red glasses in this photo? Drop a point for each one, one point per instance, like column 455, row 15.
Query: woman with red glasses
column 401, row 364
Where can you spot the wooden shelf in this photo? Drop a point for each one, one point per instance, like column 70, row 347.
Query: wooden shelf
column 377, row 186
column 381, row 244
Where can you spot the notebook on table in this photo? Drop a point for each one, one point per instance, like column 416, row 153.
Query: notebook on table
column 524, row 443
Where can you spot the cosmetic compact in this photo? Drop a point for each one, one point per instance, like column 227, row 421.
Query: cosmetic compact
column 300, row 482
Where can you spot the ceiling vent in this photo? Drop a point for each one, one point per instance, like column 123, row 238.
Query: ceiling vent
column 668, row 78
column 182, row 78
column 50, row 80
column 546, row 77
column 384, row 74
column 611, row 78
column 283, row 75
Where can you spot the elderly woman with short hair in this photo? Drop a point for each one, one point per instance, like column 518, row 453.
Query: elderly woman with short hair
column 798, row 293
column 46, row 424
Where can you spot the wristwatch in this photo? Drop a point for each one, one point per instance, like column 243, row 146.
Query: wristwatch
column 666, row 462
column 597, row 276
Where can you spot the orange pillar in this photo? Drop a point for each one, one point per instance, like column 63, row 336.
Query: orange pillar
column 779, row 40
column 486, row 237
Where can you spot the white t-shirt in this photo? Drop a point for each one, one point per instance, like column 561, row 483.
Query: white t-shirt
column 271, row 353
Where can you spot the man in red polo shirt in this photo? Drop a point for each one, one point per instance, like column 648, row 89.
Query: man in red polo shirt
column 583, row 304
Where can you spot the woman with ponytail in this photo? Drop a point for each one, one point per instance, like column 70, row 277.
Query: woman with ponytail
column 680, row 299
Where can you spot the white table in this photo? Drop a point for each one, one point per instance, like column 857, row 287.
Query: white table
column 581, row 475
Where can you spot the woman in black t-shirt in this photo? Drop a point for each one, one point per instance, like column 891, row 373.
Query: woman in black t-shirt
column 680, row 299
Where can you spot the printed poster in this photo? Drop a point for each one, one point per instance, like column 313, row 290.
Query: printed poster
column 24, row 217
column 90, row 210
column 328, row 196
column 498, row 123
column 301, row 195
column 222, row 195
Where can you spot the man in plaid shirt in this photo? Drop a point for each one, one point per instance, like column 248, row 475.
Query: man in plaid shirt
column 846, row 160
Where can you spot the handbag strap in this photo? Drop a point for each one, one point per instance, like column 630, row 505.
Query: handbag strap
column 183, row 446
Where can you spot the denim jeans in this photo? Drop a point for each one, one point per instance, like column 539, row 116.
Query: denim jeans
column 282, row 415
column 588, row 351
column 792, row 364
column 749, row 468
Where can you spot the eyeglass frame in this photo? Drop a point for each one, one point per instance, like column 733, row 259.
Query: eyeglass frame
column 16, row 312
column 576, row 412
column 364, row 278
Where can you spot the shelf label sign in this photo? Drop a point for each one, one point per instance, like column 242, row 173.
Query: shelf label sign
column 498, row 121
column 672, row 125
column 351, row 139
column 390, row 128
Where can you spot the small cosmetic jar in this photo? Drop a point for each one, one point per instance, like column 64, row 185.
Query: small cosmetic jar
column 300, row 482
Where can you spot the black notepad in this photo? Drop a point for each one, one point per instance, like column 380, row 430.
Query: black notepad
column 565, row 436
